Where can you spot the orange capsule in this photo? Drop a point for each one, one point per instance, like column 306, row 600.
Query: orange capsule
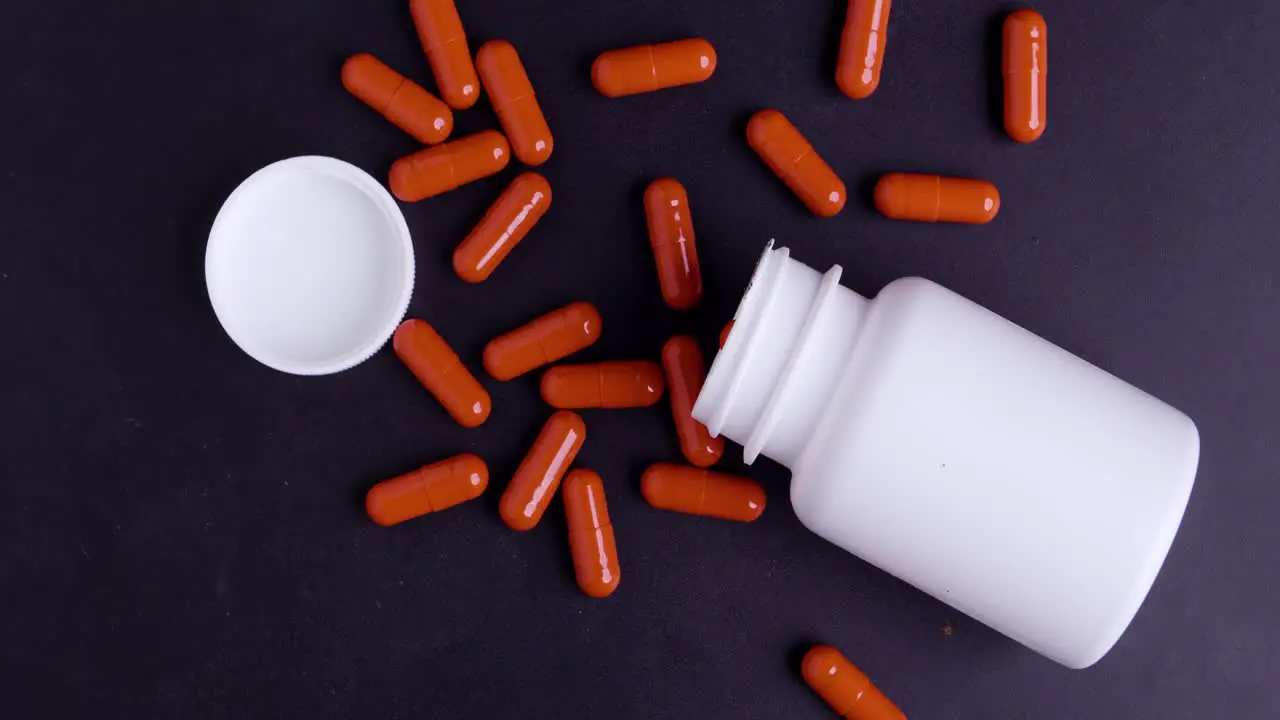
column 442, row 168
column 666, row 205
column 557, row 334
column 441, row 34
column 397, row 99
column 793, row 159
column 1026, row 63
column 724, row 334
column 506, row 223
column 862, row 47
column 513, row 100
column 538, row 477
column 846, row 688
column 595, row 554
column 645, row 68
column 682, row 361
column 696, row 491
column 427, row 490
column 438, row 368
column 933, row 198
column 635, row 383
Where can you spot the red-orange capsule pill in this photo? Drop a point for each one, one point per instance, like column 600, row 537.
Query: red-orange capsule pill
column 397, row 99
column 1026, row 65
column 846, row 688
column 538, row 477
column 633, row 383
column 862, row 47
column 682, row 361
column 508, row 220
column 696, row 491
column 427, row 490
column 793, row 159
column 547, row 339
column 442, row 168
column 645, row 68
column 595, row 554
column 724, row 334
column 666, row 206
column 440, row 31
column 438, row 368
column 511, row 94
column 933, row 198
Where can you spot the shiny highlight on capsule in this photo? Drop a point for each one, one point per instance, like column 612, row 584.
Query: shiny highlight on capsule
column 508, row 220
column 626, row 384
column 397, row 98
column 933, row 198
column 686, row 372
column 1026, row 69
column 591, row 540
column 645, row 68
column 538, row 477
column 553, row 336
column 512, row 97
column 435, row 170
column 697, row 491
column 426, row 490
column 441, row 372
column 862, row 47
column 794, row 160
column 675, row 249
column 846, row 688
column 440, row 32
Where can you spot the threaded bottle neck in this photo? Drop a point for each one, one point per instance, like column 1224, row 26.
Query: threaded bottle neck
column 792, row 338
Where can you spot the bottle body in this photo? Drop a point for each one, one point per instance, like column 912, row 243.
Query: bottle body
column 963, row 454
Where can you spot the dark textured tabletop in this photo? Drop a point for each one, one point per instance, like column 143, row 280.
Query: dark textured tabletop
column 181, row 529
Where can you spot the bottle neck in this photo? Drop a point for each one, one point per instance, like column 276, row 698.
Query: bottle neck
column 790, row 345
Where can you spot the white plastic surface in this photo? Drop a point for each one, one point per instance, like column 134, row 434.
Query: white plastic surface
column 959, row 452
column 309, row 266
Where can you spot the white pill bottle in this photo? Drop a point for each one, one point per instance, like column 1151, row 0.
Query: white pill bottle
column 947, row 446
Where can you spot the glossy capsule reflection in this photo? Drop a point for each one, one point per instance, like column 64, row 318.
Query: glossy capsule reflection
column 933, row 198
column 846, row 688
column 538, row 477
column 440, row 31
column 595, row 554
column 685, row 370
column 442, row 168
column 441, row 372
column 794, row 160
column 666, row 207
column 508, row 220
column 398, row 99
column 862, row 47
column 645, row 68
column 696, row 491
column 427, row 490
column 635, row 383
column 545, row 340
column 511, row 94
column 1026, row 66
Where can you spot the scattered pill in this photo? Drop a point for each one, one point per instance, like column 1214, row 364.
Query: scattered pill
column 506, row 223
column 438, row 368
column 553, row 336
column 933, row 198
column 697, row 491
column 666, row 207
column 627, row 384
column 427, row 490
column 511, row 94
column 682, row 361
column 846, row 688
column 724, row 334
column 645, row 68
column 862, row 47
column 793, row 159
column 1026, row 63
column 442, row 168
column 595, row 553
column 440, row 30
column 398, row 99
column 538, row 477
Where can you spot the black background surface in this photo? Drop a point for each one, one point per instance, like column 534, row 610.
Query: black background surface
column 181, row 529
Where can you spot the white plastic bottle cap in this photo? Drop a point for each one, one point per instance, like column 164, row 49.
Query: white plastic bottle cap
column 309, row 266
